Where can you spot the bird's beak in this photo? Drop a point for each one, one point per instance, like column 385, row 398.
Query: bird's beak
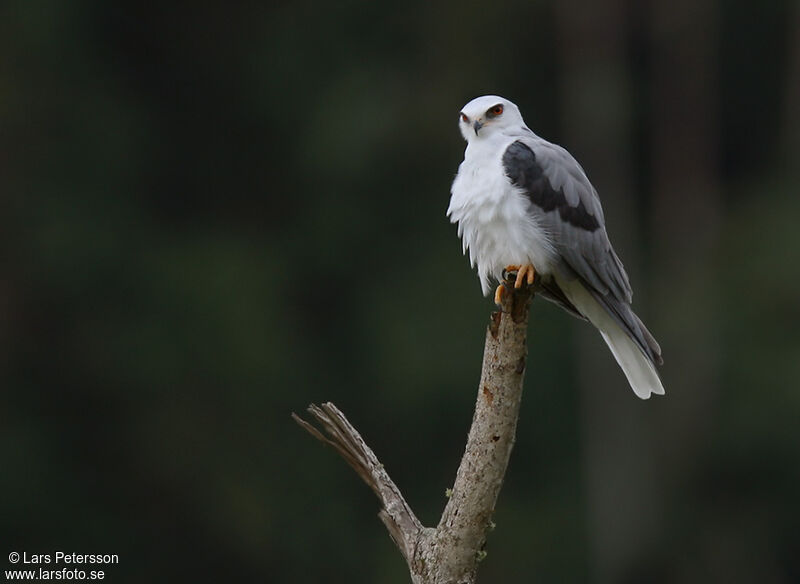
column 477, row 125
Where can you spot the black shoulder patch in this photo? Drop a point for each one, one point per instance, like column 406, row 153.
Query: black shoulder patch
column 524, row 171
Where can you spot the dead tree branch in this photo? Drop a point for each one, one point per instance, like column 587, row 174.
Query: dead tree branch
column 450, row 552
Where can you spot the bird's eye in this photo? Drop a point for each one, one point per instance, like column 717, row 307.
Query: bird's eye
column 464, row 118
column 495, row 111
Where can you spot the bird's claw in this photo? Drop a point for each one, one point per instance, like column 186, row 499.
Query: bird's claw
column 521, row 274
column 524, row 273
column 499, row 293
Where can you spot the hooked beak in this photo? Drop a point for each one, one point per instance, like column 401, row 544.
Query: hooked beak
column 477, row 125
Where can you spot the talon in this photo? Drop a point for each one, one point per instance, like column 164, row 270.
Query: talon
column 526, row 273
column 498, row 294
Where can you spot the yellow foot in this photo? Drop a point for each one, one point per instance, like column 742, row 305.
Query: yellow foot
column 525, row 273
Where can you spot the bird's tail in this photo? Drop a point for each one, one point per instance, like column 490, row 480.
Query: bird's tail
column 633, row 346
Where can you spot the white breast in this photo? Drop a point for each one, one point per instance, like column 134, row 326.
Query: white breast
column 494, row 218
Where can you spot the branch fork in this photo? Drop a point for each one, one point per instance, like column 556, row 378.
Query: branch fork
column 451, row 552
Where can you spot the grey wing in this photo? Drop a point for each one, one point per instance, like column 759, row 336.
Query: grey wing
column 569, row 209
column 570, row 212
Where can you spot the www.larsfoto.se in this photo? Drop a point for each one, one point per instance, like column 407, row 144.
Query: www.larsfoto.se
column 62, row 574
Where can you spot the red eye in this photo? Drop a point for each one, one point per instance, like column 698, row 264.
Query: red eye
column 497, row 110
column 464, row 118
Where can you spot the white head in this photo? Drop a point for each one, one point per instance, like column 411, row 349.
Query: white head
column 488, row 115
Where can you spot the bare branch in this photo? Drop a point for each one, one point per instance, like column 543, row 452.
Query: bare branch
column 403, row 525
column 450, row 553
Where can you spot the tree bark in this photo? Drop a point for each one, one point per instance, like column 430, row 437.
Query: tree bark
column 451, row 552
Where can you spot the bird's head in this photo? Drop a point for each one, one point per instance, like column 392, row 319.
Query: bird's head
column 487, row 116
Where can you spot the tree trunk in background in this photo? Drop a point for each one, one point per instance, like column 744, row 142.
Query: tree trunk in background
column 686, row 219
column 597, row 119
column 791, row 116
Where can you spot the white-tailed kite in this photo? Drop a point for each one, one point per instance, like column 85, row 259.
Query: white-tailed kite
column 523, row 203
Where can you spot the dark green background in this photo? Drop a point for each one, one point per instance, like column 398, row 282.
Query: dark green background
column 212, row 215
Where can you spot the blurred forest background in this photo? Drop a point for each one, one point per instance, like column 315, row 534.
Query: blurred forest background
column 213, row 214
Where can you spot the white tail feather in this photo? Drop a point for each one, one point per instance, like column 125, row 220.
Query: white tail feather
column 641, row 373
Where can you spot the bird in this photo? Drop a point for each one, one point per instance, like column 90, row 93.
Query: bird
column 524, row 205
